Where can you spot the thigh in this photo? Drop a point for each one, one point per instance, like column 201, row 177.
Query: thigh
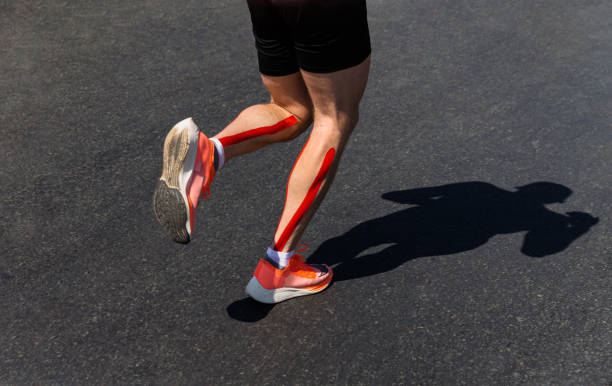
column 331, row 35
column 337, row 94
column 273, row 39
column 289, row 92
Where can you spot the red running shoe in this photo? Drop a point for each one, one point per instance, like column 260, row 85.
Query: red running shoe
column 186, row 177
column 270, row 284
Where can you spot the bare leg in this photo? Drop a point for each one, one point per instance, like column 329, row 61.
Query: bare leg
column 290, row 109
column 335, row 98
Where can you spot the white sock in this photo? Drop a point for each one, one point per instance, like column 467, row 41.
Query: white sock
column 220, row 153
column 281, row 258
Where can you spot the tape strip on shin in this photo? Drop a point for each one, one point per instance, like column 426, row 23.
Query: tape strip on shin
column 308, row 200
column 266, row 130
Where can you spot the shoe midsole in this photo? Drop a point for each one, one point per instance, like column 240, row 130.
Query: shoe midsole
column 255, row 290
column 188, row 165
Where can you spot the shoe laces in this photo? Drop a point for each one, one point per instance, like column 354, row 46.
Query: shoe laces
column 297, row 261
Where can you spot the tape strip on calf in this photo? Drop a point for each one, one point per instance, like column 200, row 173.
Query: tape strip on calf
column 266, row 130
column 308, row 200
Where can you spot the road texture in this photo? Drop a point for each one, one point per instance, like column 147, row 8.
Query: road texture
column 469, row 224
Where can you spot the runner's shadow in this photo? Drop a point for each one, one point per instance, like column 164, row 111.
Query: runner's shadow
column 444, row 220
column 248, row 310
column 454, row 218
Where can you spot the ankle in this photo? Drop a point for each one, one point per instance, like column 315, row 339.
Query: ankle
column 219, row 159
column 280, row 258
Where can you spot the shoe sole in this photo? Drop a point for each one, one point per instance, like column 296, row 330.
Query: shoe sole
column 255, row 290
column 170, row 202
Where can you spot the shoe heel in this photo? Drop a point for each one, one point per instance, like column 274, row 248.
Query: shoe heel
column 169, row 208
column 176, row 147
column 259, row 293
column 170, row 200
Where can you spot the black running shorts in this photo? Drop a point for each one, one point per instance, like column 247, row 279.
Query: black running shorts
column 314, row 35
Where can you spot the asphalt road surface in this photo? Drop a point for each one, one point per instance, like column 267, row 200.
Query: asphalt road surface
column 469, row 224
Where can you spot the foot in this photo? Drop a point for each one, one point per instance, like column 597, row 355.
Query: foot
column 270, row 284
column 187, row 173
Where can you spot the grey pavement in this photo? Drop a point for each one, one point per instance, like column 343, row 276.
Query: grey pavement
column 469, row 224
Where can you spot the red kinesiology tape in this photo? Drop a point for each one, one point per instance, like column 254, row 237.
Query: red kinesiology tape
column 308, row 200
column 266, row 130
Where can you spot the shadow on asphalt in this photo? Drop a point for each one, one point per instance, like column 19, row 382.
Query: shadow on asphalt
column 444, row 220
column 248, row 310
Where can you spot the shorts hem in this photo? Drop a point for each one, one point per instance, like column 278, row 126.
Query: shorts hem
column 337, row 66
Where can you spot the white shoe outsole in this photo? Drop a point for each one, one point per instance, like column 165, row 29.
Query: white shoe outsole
column 255, row 290
column 170, row 200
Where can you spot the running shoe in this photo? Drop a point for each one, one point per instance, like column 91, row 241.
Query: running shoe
column 270, row 284
column 186, row 176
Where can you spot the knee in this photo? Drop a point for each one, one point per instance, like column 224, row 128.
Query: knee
column 304, row 115
column 339, row 123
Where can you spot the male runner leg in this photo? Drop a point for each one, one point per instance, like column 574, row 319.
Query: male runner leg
column 329, row 43
column 191, row 160
column 335, row 97
column 330, row 40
